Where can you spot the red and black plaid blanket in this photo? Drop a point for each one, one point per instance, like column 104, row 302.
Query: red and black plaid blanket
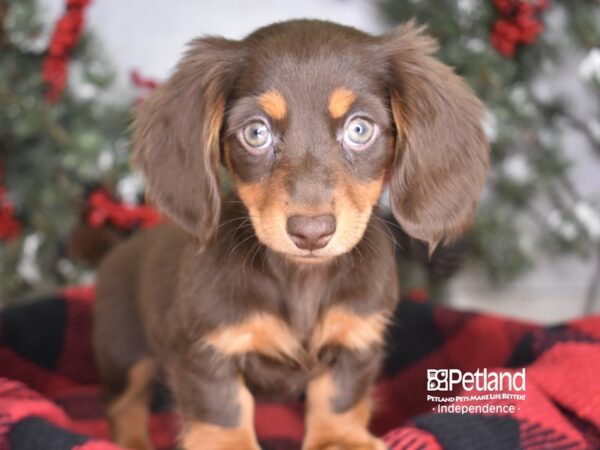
column 49, row 396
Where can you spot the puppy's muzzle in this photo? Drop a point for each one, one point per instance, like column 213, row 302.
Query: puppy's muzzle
column 311, row 232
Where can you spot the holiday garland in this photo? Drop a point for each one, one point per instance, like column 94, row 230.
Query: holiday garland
column 104, row 209
column 519, row 24
column 67, row 33
column 144, row 84
column 142, row 81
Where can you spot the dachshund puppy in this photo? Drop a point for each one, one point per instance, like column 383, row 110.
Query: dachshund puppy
column 283, row 288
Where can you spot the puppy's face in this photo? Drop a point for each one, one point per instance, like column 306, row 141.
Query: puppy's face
column 308, row 142
column 311, row 119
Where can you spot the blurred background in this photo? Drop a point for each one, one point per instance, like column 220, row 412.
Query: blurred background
column 71, row 71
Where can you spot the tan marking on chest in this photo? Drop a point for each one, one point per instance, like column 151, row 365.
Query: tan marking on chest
column 273, row 103
column 340, row 101
column 261, row 333
column 356, row 332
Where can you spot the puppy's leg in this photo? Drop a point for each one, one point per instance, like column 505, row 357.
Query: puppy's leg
column 129, row 413
column 339, row 407
column 201, row 435
column 216, row 406
column 122, row 356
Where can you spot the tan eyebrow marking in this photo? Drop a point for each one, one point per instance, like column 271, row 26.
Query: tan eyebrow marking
column 273, row 104
column 340, row 101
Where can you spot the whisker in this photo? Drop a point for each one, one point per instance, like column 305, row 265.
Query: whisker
column 262, row 268
column 230, row 221
column 234, row 202
column 337, row 262
column 390, row 233
column 241, row 227
column 258, row 247
column 254, row 245
column 372, row 246
column 360, row 253
column 238, row 244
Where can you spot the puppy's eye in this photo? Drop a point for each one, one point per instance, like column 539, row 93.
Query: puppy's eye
column 256, row 137
column 359, row 133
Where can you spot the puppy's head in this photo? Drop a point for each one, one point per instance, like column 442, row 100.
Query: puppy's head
column 312, row 119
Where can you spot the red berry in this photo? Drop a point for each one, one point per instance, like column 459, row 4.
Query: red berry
column 525, row 8
column 542, row 4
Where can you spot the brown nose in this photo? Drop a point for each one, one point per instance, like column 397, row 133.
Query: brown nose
column 311, row 232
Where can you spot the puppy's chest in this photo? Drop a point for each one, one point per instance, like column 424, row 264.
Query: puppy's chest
column 306, row 323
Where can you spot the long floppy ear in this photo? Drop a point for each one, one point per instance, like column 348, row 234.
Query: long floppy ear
column 442, row 154
column 176, row 136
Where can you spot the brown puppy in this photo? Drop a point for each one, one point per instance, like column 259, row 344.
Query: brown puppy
column 285, row 287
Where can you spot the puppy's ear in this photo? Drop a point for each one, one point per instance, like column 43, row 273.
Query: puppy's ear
column 176, row 136
column 441, row 151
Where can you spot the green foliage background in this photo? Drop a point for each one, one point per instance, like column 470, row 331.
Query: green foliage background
column 538, row 211
column 51, row 153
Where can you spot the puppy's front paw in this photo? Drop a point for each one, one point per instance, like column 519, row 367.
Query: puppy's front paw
column 204, row 436
column 369, row 443
column 137, row 443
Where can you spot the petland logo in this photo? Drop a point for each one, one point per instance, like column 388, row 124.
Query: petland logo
column 445, row 380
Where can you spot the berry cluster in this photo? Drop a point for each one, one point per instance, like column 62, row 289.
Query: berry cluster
column 104, row 209
column 143, row 83
column 10, row 228
column 519, row 24
column 66, row 34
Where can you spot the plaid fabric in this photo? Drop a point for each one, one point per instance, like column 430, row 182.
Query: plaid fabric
column 49, row 397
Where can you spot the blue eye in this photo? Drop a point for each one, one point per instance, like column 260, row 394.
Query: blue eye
column 359, row 132
column 256, row 137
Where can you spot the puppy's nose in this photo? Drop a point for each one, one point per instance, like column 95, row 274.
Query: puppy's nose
column 311, row 232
